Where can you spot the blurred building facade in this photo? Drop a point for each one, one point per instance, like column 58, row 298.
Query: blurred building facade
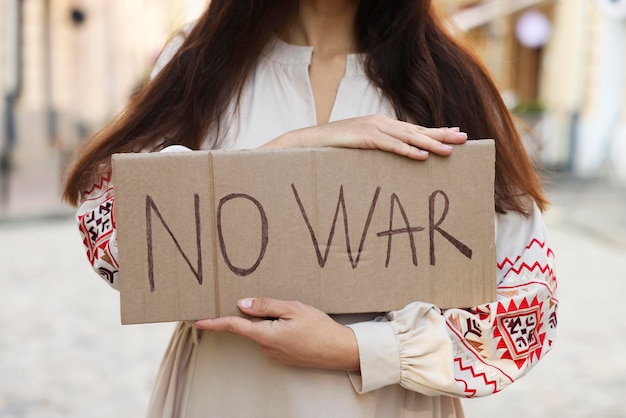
column 80, row 61
column 67, row 66
column 561, row 66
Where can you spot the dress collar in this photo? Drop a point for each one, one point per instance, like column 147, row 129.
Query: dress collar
column 288, row 54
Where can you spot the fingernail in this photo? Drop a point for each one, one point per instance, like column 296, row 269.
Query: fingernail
column 455, row 129
column 446, row 147
column 245, row 303
column 461, row 135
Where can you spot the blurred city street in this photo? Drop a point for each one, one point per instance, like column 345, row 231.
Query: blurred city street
column 68, row 67
column 63, row 352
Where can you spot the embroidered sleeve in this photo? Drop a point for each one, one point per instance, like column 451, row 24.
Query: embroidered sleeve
column 96, row 222
column 470, row 352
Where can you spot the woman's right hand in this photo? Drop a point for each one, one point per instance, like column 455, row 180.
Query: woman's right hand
column 374, row 132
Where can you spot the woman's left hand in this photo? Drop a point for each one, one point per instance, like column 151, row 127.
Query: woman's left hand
column 295, row 333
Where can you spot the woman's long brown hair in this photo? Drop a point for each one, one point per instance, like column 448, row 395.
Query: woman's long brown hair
column 430, row 76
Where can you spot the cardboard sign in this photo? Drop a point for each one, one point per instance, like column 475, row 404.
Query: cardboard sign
column 344, row 230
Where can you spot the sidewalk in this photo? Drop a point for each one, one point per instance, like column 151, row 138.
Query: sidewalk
column 594, row 207
column 35, row 189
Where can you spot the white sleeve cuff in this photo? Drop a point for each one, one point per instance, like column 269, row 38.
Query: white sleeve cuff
column 379, row 356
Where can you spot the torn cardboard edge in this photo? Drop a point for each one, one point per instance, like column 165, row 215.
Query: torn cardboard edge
column 347, row 231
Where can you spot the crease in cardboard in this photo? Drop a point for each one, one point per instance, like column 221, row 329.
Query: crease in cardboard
column 214, row 220
column 317, row 215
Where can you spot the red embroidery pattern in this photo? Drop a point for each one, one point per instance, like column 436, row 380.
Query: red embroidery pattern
column 96, row 223
column 473, row 375
column 518, row 327
column 518, row 331
column 97, row 226
column 104, row 182
column 524, row 266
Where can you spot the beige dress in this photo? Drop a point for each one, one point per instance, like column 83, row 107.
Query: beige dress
column 415, row 362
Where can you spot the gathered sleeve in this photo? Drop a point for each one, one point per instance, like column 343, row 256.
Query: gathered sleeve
column 477, row 351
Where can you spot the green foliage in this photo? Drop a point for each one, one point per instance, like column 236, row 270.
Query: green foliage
column 528, row 108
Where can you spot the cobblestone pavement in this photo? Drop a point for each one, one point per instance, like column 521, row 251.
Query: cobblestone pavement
column 63, row 352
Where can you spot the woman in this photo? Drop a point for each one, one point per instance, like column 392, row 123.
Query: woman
column 359, row 74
